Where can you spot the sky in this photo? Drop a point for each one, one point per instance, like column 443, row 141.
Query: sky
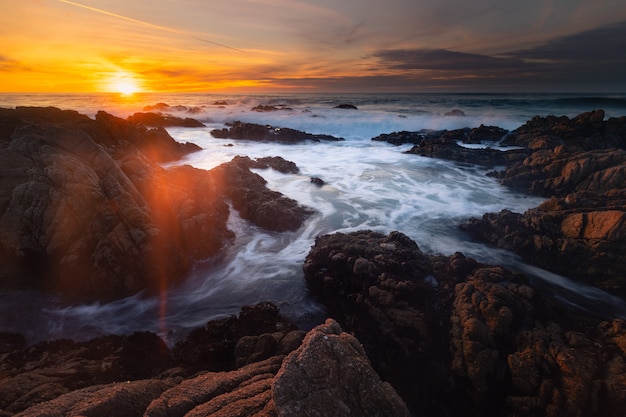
column 313, row 45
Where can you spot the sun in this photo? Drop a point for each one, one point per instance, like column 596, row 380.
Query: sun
column 123, row 83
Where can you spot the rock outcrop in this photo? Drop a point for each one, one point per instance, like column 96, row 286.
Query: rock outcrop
column 87, row 211
column 327, row 373
column 456, row 337
column 266, row 133
column 161, row 120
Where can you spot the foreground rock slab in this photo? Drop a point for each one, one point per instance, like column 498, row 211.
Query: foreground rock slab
column 326, row 372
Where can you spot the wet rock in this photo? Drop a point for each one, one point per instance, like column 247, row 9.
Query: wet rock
column 455, row 112
column 329, row 374
column 251, row 131
column 269, row 108
column 581, row 236
column 160, row 120
column 88, row 212
column 446, row 147
column 346, row 106
column 317, row 181
column 266, row 208
column 455, row 337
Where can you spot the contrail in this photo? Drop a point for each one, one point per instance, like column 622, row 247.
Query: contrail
column 140, row 22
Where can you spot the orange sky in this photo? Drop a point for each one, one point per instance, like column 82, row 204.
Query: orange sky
column 263, row 45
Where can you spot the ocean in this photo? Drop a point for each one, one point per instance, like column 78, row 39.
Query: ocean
column 368, row 185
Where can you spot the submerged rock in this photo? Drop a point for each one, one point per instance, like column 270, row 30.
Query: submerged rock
column 346, row 106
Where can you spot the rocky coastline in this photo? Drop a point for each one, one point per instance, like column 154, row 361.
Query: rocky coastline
column 407, row 333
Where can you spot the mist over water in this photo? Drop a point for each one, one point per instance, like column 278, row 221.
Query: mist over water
column 369, row 185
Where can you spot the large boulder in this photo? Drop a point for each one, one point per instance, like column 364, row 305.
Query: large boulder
column 456, row 337
column 161, row 120
column 330, row 375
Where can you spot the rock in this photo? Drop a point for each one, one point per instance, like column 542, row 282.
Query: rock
column 138, row 376
column 48, row 370
column 220, row 103
column 223, row 344
column 268, row 108
column 329, row 374
column 480, row 342
column 346, row 106
column 251, row 131
column 242, row 392
column 401, row 138
column 122, row 398
column 155, row 119
column 581, row 236
column 90, row 214
column 266, row 208
column 446, row 147
column 317, row 181
column 455, row 112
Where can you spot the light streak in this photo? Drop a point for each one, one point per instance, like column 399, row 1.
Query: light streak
column 148, row 24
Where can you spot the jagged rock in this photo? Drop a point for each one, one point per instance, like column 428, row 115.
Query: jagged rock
column 242, row 392
column 266, row 208
column 329, row 374
column 251, row 131
column 88, row 213
column 455, row 337
column 48, row 370
column 223, row 344
column 446, row 147
column 582, row 236
column 138, row 376
column 160, row 120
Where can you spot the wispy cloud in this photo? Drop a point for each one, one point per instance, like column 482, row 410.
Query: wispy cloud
column 442, row 59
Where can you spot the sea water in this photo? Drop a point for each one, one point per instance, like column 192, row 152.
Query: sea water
column 368, row 185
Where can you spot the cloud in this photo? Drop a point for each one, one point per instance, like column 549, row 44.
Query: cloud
column 606, row 43
column 442, row 59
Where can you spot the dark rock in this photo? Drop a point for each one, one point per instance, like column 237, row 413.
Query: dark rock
column 266, row 208
column 50, row 369
column 89, row 214
column 346, row 106
column 214, row 347
column 158, row 107
column 317, row 181
column 329, row 374
column 455, row 112
column 448, row 148
column 267, row 108
column 251, row 131
column 160, row 120
column 401, row 138
column 455, row 337
column 220, row 103
column 582, row 236
column 277, row 163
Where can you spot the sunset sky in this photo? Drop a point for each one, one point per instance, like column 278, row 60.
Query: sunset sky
column 312, row 45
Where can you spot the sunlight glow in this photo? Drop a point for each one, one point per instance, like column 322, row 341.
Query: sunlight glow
column 123, row 83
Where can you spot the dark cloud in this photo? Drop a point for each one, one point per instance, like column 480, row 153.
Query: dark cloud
column 589, row 60
column 443, row 59
column 606, row 43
